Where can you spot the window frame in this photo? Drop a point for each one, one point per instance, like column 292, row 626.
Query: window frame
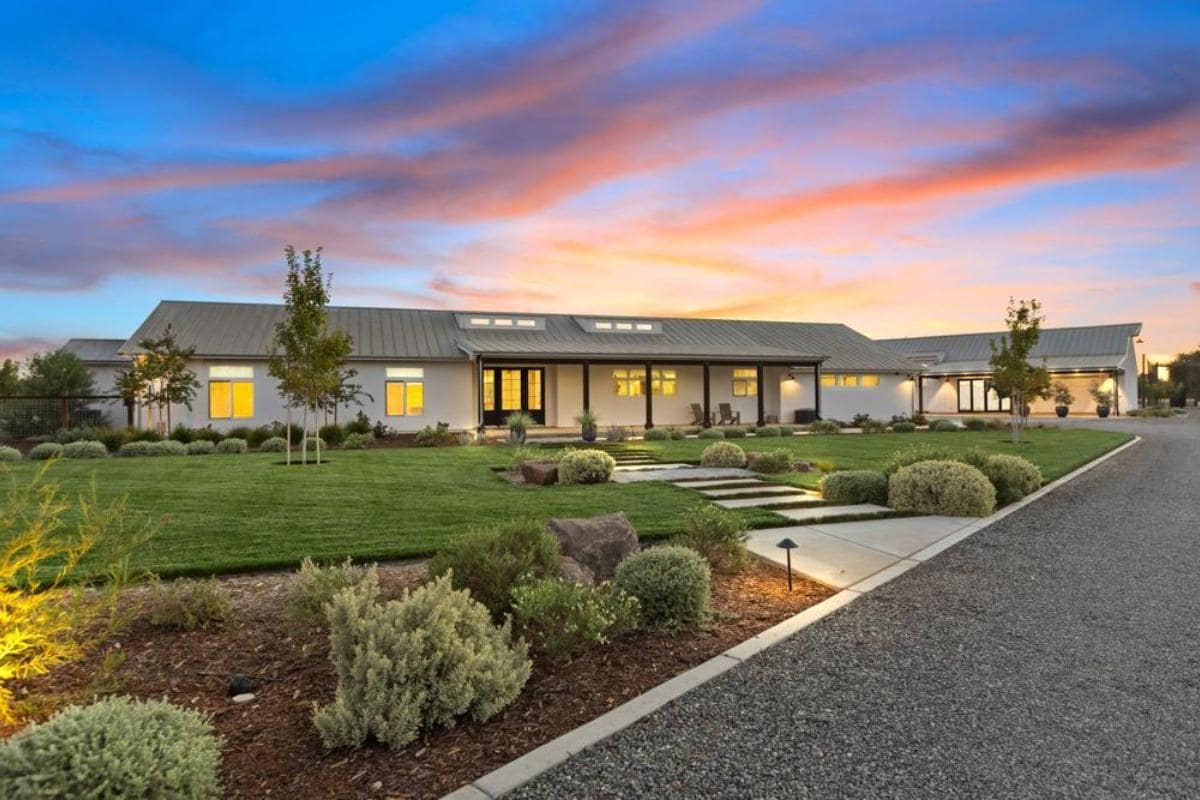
column 744, row 382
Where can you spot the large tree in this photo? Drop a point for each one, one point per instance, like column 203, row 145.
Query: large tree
column 1185, row 372
column 57, row 374
column 10, row 378
column 1012, row 373
column 306, row 357
column 160, row 377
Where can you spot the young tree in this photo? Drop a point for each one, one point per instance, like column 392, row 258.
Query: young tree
column 306, row 357
column 1012, row 374
column 160, row 377
column 347, row 392
column 1185, row 372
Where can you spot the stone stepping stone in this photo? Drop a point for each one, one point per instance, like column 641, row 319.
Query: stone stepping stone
column 767, row 502
column 825, row 512
column 647, row 467
column 731, row 482
column 762, row 488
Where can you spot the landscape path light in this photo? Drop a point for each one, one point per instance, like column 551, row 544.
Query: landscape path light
column 788, row 546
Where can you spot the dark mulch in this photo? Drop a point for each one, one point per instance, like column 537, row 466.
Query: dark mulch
column 271, row 748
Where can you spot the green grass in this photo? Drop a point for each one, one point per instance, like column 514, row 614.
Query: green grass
column 232, row 513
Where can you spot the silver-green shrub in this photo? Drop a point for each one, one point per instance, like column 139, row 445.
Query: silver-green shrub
column 717, row 534
column 414, row 664
column 656, row 435
column 187, row 605
column 276, row 444
column 903, row 426
column 768, row 430
column 10, row 454
column 114, row 748
column 855, row 486
column 311, row 444
column 770, row 462
column 231, row 445
column 723, row 454
column 711, row 433
column 950, row 488
column 1013, row 476
column 585, row 466
column 46, row 450
column 201, row 447
column 671, row 584
column 824, row 427
column 558, row 615
column 169, row 447
column 916, row 454
column 490, row 561
column 85, row 449
column 357, row 441
column 135, row 449
column 312, row 588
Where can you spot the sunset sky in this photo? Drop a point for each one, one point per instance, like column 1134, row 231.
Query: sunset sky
column 903, row 172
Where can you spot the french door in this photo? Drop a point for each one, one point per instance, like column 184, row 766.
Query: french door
column 509, row 389
column 977, row 394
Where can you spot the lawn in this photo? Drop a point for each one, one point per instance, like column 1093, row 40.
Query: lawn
column 231, row 513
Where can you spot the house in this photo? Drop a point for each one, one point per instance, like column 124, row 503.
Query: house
column 422, row 366
column 104, row 360
column 956, row 374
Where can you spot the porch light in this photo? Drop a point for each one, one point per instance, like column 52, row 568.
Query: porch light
column 788, row 546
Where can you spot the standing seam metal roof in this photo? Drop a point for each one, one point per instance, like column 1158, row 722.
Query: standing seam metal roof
column 1087, row 347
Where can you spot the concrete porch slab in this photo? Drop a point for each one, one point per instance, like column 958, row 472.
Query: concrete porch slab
column 834, row 562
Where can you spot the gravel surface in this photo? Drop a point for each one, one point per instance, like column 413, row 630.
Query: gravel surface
column 1054, row 654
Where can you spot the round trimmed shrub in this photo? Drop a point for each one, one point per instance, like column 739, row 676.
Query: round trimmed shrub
column 855, row 486
column 903, row 427
column 311, row 444
column 915, row 454
column 46, row 450
column 115, row 747
column 874, row 426
column 169, row 447
column 276, row 444
column 9, row 454
column 770, row 462
column 711, row 433
column 975, row 424
column 331, row 435
column 656, row 435
column 1012, row 476
column 231, row 445
column 586, row 466
column 768, row 430
column 85, row 449
column 735, row 433
column 201, row 447
column 356, row 441
column 723, row 454
column 671, row 584
column 943, row 426
column 135, row 449
column 824, row 427
column 949, row 488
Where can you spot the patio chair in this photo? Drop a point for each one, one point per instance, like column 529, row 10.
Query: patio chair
column 698, row 414
column 728, row 415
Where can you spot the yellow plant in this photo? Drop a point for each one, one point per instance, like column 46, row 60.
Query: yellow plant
column 46, row 618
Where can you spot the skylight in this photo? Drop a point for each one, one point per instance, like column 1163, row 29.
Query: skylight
column 505, row 322
column 619, row 325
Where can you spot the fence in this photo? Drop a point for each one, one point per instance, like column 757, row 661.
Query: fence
column 23, row 417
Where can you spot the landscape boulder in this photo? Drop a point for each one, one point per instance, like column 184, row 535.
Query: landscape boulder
column 539, row 473
column 598, row 543
column 802, row 466
column 571, row 570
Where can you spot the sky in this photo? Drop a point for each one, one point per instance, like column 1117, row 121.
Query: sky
column 902, row 168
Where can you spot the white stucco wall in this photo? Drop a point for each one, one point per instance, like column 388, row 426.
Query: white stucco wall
column 893, row 395
column 941, row 396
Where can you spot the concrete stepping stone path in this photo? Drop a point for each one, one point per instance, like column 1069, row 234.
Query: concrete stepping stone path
column 752, row 488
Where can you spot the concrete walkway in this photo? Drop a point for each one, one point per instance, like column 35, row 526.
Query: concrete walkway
column 1053, row 654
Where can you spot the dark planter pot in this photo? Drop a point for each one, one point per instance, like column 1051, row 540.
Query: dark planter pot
column 588, row 433
column 516, row 435
column 1061, row 410
column 1102, row 411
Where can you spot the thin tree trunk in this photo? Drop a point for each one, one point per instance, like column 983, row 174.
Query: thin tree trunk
column 1014, row 424
column 318, row 441
column 287, row 433
column 304, row 439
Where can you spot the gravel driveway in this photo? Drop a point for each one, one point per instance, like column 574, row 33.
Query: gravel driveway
column 1055, row 654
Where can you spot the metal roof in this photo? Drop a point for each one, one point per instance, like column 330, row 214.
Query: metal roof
column 1094, row 347
column 244, row 330
column 97, row 351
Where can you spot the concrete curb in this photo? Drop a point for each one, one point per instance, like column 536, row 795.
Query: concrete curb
column 524, row 769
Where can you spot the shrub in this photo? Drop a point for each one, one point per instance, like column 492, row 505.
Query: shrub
column 976, row 423
column 559, row 615
column 585, row 466
column 855, row 486
column 491, row 561
column 311, row 444
column 950, row 488
column 723, row 454
column 182, row 433
column 615, row 433
column 677, row 434
column 874, row 426
column 920, row 419
column 671, row 586
column 770, row 462
column 113, row 438
column 276, row 444
column 1012, row 476
column 717, row 534
column 768, row 430
column 312, row 588
column 787, row 430
column 943, row 426
column 915, row 454
column 115, row 747
column 85, row 449
column 360, row 424
column 9, row 454
column 711, row 433
column 525, row 452
column 333, row 434
column 231, row 445
column 735, row 433
column 169, row 447
column 187, row 605
column 46, row 450
column 413, row 664
column 201, row 447
column 859, row 420
column 357, row 441
column 143, row 435
column 135, row 449
column 656, row 435
column 68, row 435
column 824, row 427
column 294, row 431
column 440, row 436
column 903, row 426
column 256, row 436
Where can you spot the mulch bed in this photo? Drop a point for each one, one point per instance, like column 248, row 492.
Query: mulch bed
column 271, row 748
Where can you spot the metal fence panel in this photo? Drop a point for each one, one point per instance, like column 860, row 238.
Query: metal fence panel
column 23, row 417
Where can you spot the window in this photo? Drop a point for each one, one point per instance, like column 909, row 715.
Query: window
column 404, row 392
column 745, row 382
column 849, row 381
column 621, row 326
column 662, row 381
column 481, row 322
column 534, row 390
column 977, row 394
column 526, row 323
column 645, row 326
column 829, row 379
column 489, row 390
column 632, row 382
column 624, row 326
column 604, row 326
column 510, row 390
column 869, row 381
column 230, row 392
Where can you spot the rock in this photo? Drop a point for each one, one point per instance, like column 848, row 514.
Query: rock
column 240, row 684
column 571, row 570
column 242, row 698
column 599, row 543
column 539, row 473
column 802, row 466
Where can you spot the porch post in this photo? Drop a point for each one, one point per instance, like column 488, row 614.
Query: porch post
column 649, row 399
column 587, row 386
column 1116, row 395
column 759, row 377
column 479, row 391
column 817, row 390
column 707, row 423
column 920, row 394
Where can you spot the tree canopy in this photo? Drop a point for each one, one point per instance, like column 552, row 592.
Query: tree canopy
column 1012, row 373
column 56, row 374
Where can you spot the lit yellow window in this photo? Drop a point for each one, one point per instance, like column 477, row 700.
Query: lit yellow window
column 415, row 399
column 243, row 399
column 629, row 382
column 662, row 381
column 828, row 380
column 869, row 380
column 220, row 396
column 395, row 399
column 405, row 398
column 489, row 390
column 745, row 382
column 510, row 390
column 847, row 380
column 534, row 390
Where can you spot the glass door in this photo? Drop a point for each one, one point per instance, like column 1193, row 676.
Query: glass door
column 508, row 389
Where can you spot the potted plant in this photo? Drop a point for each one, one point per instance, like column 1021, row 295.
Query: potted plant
column 587, row 420
column 1103, row 398
column 518, row 423
column 1062, row 399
